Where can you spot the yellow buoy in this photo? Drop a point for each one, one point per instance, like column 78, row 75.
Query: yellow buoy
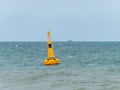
column 51, row 59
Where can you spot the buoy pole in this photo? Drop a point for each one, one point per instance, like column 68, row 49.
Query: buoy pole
column 50, row 47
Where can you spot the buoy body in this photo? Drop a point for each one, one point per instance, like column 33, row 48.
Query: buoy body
column 51, row 60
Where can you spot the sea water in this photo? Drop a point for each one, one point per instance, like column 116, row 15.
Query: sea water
column 84, row 66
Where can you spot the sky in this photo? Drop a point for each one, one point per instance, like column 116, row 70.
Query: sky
column 78, row 20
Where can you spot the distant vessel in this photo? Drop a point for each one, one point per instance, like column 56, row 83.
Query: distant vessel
column 70, row 40
column 51, row 60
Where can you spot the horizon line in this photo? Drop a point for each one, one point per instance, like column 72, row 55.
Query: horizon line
column 64, row 41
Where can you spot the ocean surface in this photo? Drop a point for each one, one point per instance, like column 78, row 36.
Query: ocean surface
column 84, row 66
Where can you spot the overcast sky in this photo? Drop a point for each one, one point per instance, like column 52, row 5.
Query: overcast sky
column 79, row 20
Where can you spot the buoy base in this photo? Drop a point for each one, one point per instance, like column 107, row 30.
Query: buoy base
column 51, row 61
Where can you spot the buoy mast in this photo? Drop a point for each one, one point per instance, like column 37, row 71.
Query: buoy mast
column 50, row 47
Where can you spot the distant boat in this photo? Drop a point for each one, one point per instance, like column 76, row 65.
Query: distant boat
column 70, row 41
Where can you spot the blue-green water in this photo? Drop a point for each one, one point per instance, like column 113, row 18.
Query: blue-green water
column 84, row 66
